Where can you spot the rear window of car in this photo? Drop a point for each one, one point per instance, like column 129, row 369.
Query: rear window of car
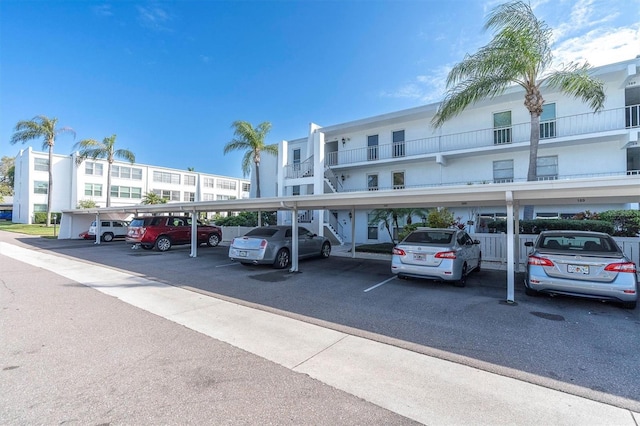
column 143, row 221
column 261, row 232
column 577, row 243
column 429, row 237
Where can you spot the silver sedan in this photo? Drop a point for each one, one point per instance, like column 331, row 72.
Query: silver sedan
column 272, row 245
column 581, row 263
column 439, row 254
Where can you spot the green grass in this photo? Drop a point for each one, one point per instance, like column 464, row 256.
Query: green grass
column 21, row 228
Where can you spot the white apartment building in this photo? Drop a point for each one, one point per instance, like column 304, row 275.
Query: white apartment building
column 73, row 183
column 488, row 143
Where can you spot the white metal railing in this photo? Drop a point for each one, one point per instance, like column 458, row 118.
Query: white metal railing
column 299, row 170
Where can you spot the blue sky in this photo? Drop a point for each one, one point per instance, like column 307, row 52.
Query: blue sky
column 169, row 78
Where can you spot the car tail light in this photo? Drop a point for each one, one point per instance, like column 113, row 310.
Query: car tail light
column 263, row 244
column 621, row 267
column 398, row 251
column 539, row 261
column 446, row 255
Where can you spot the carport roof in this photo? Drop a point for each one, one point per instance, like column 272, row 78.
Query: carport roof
column 600, row 190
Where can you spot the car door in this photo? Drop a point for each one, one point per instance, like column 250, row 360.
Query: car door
column 471, row 250
column 179, row 230
column 308, row 243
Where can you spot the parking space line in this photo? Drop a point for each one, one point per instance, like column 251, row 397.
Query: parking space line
column 379, row 284
column 227, row 264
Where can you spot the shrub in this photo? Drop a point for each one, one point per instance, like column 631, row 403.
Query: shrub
column 538, row 225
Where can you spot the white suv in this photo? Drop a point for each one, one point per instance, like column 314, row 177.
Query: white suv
column 110, row 229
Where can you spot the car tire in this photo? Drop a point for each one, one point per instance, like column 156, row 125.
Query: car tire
column 107, row 237
column 325, row 252
column 163, row 243
column 479, row 267
column 213, row 240
column 629, row 305
column 282, row 259
column 463, row 277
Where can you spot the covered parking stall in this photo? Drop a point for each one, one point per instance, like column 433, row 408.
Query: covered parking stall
column 586, row 191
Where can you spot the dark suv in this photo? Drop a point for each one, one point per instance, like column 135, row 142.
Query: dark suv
column 162, row 232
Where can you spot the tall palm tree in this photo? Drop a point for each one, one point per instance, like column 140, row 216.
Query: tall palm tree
column 251, row 140
column 386, row 218
column 91, row 148
column 45, row 128
column 519, row 53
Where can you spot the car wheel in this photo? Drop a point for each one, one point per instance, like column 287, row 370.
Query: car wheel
column 629, row 305
column 107, row 237
column 463, row 277
column 282, row 259
column 326, row 250
column 479, row 267
column 163, row 243
column 213, row 240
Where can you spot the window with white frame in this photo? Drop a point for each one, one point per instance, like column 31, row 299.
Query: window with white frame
column 398, row 180
column 208, row 182
column 226, row 184
column 221, row 197
column 166, row 177
column 208, row 197
column 39, row 208
column 296, row 159
column 548, row 121
column 167, row 194
column 372, row 228
column 124, row 172
column 189, row 196
column 41, row 164
column 295, row 190
column 372, row 182
column 190, row 180
column 246, row 187
column 131, row 192
column 503, row 171
column 93, row 189
column 91, row 168
column 372, row 147
column 547, row 168
column 40, row 187
column 502, row 127
column 398, row 143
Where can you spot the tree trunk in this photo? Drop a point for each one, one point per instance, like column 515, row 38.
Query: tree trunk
column 534, row 140
column 257, row 179
column 109, row 184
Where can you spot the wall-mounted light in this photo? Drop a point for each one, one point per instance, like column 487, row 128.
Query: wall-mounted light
column 344, row 141
column 343, row 177
column 350, row 215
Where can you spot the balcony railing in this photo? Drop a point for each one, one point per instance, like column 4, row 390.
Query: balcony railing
column 299, row 170
column 574, row 125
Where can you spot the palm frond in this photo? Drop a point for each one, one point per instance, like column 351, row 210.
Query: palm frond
column 575, row 80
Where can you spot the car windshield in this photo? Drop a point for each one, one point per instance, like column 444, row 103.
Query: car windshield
column 429, row 237
column 137, row 222
column 261, row 232
column 578, row 243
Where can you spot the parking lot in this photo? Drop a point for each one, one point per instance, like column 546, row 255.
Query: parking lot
column 583, row 347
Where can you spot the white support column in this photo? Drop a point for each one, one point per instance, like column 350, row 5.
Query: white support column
column 318, row 177
column 194, row 234
column 516, row 251
column 510, row 270
column 98, row 228
column 294, row 241
column 353, row 232
column 283, row 157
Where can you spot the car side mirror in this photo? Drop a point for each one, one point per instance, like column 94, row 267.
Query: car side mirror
column 528, row 243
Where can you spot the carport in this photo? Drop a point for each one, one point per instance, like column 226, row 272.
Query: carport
column 587, row 191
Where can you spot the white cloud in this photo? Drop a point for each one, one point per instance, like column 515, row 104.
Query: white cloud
column 153, row 17
column 600, row 46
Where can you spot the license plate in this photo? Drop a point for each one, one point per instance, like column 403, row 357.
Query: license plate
column 242, row 253
column 578, row 269
column 419, row 256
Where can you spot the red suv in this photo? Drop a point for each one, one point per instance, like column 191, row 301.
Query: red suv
column 162, row 232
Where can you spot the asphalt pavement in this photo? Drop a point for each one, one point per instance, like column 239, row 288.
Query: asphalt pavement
column 86, row 343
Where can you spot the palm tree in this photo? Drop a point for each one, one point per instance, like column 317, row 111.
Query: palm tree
column 45, row 128
column 519, row 53
column 90, row 148
column 153, row 198
column 385, row 218
column 251, row 140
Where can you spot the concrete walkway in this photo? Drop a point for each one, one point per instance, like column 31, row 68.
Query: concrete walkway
column 426, row 389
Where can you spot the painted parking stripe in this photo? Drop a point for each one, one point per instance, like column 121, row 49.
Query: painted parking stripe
column 227, row 264
column 379, row 284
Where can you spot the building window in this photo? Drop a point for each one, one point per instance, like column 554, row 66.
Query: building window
column 372, row 147
column 208, row 197
column 398, row 180
column 296, row 159
column 503, row 171
column 126, row 192
column 208, row 182
column 632, row 106
column 295, row 190
column 39, row 208
column 226, row 184
column 372, row 182
column 372, row 228
column 166, row 177
column 40, row 187
column 502, row 127
column 93, row 189
column 547, row 168
column 167, row 194
column 124, row 172
column 189, row 196
column 41, row 164
column 225, row 197
column 91, row 168
column 548, row 121
column 398, row 143
column 190, row 180
column 633, row 161
column 246, row 187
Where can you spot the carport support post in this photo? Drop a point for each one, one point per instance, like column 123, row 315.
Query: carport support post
column 353, row 232
column 194, row 234
column 98, row 228
column 510, row 269
column 294, row 240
